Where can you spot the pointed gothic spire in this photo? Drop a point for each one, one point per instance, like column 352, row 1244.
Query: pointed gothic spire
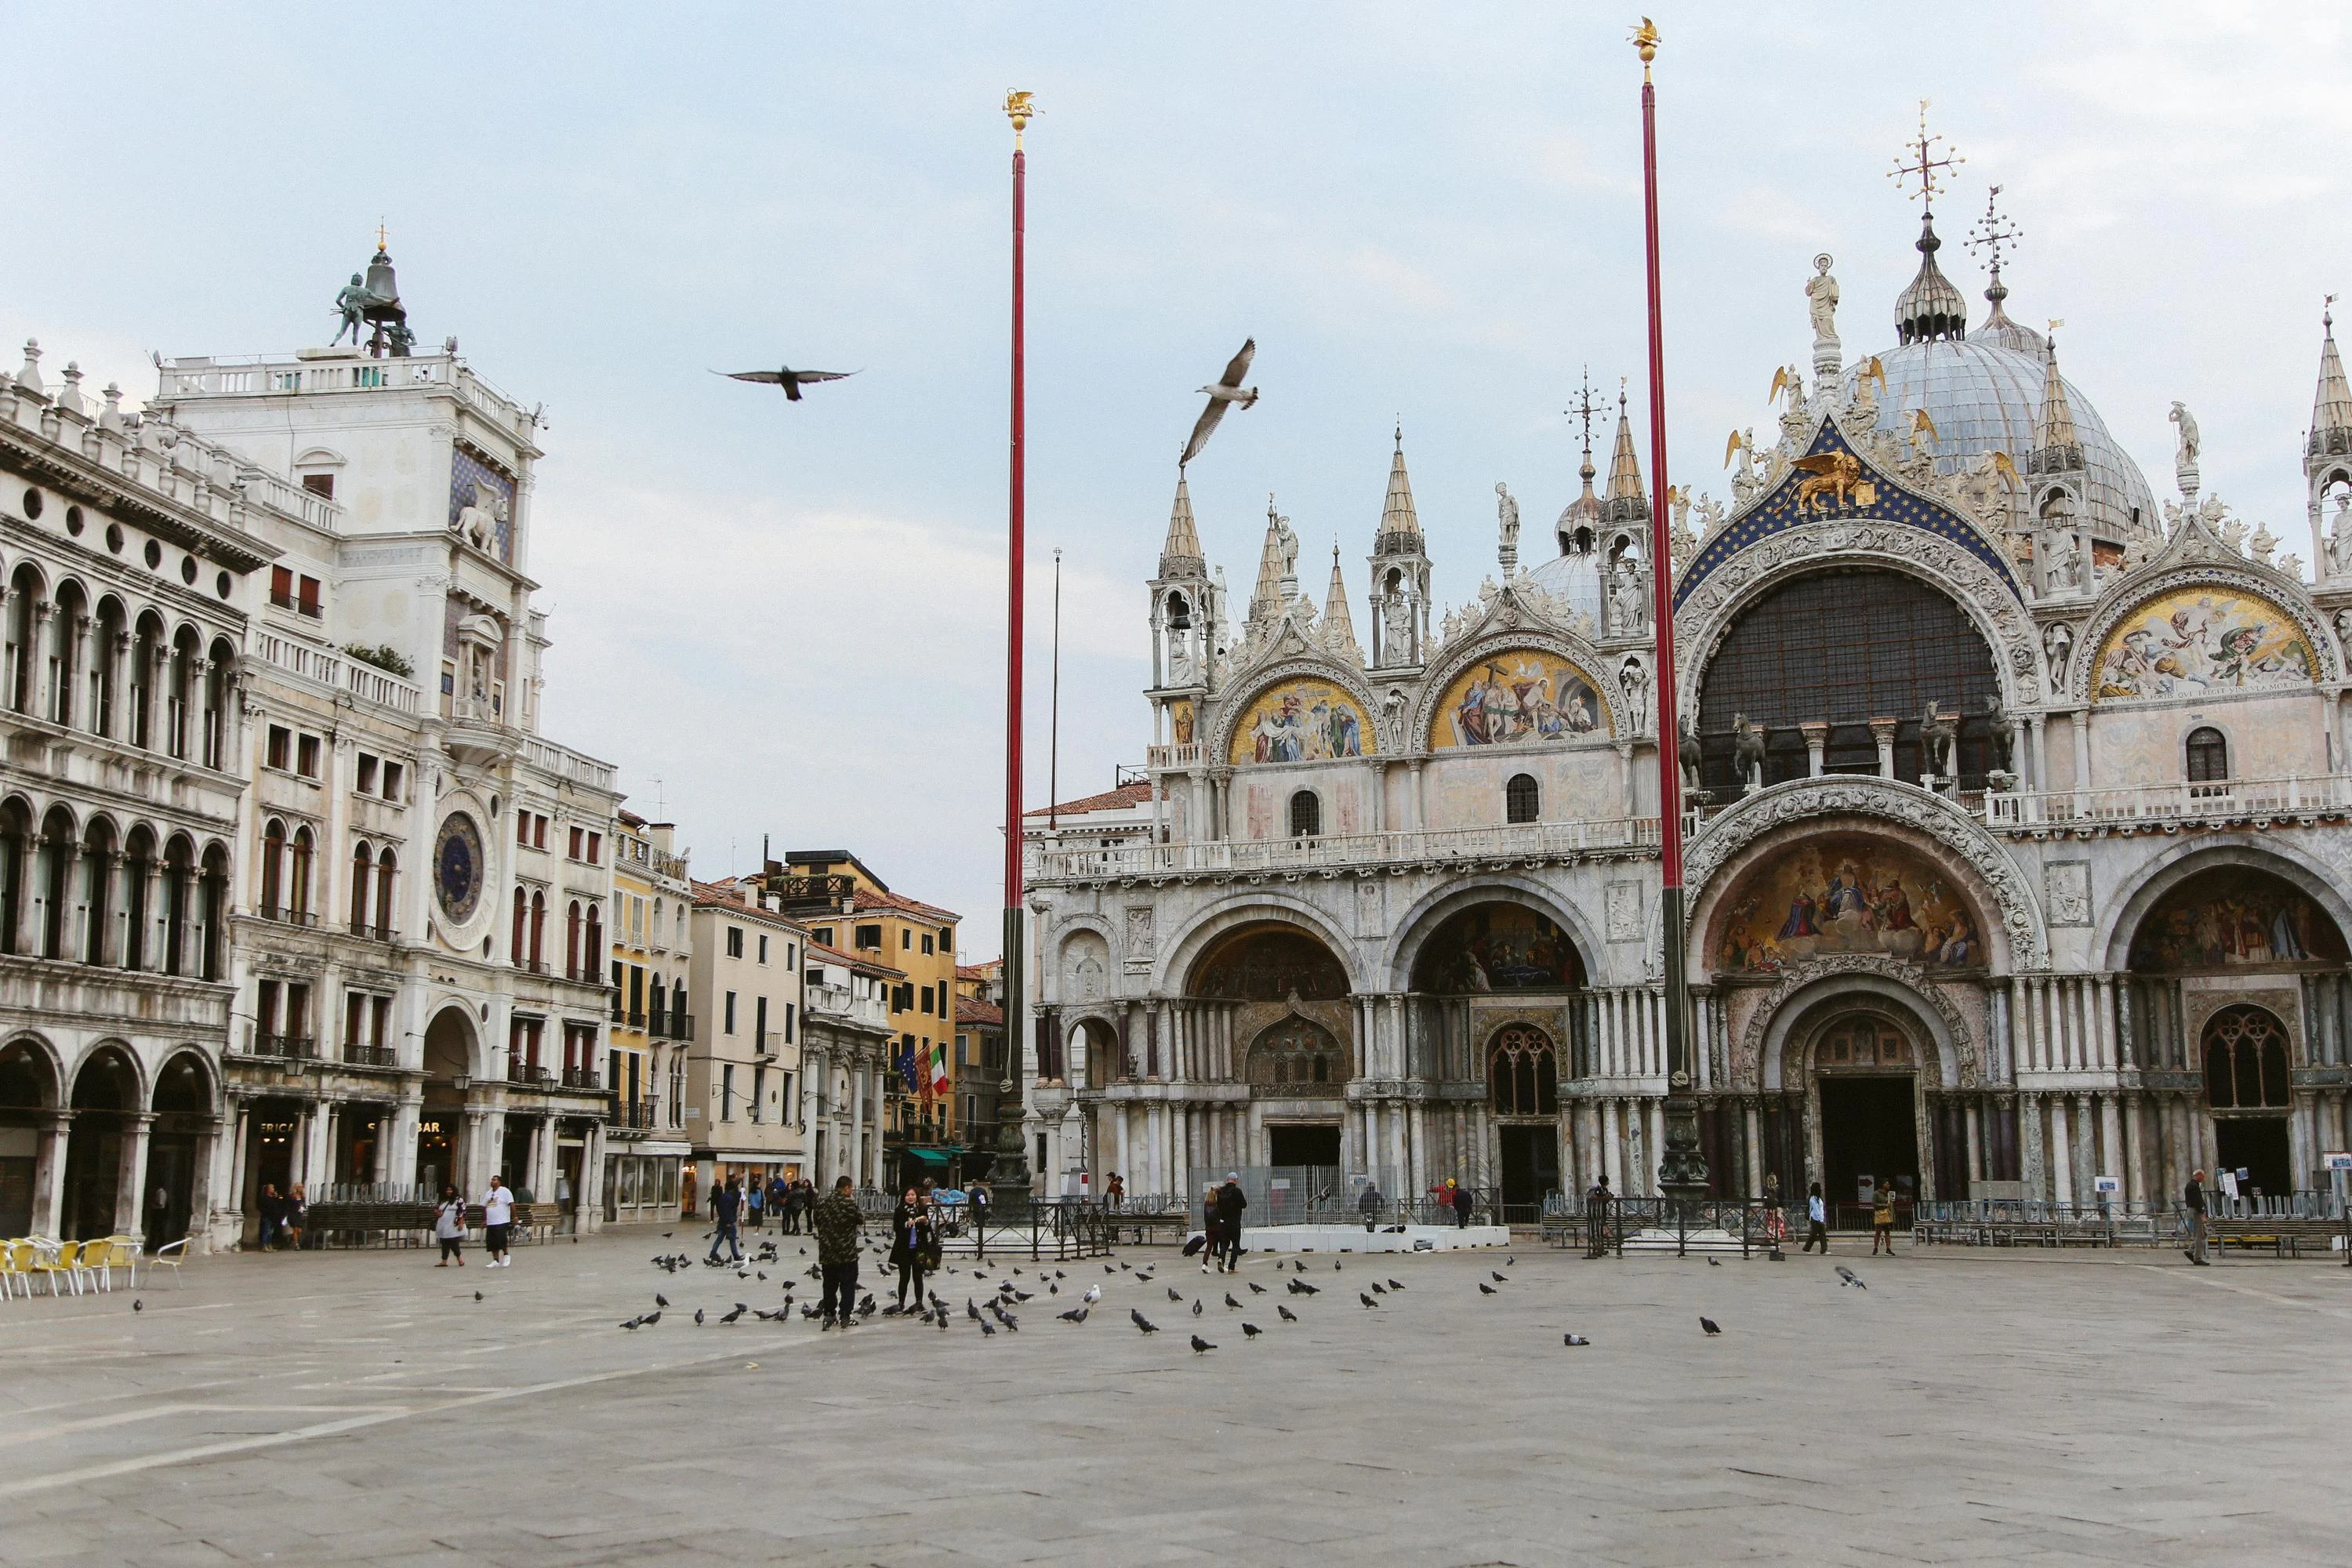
column 1180, row 556
column 2331, row 406
column 2055, row 431
column 1400, row 526
column 1338, row 626
column 1624, row 468
column 1273, row 583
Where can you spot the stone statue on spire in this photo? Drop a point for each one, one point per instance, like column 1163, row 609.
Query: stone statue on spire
column 1507, row 530
column 1822, row 303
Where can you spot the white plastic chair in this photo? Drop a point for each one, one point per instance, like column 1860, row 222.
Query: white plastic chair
column 171, row 1255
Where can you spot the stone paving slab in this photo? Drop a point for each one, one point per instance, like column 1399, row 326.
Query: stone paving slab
column 1967, row 1408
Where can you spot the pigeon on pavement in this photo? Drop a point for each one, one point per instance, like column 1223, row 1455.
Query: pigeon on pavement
column 1146, row 1324
column 1574, row 1339
column 1848, row 1276
column 1199, row 1344
column 1251, row 1331
column 1499, row 1278
column 1711, row 1325
column 1196, row 1308
column 1232, row 1305
column 1075, row 1315
column 1288, row 1315
column 1256, row 1288
column 1396, row 1284
column 1367, row 1301
column 1484, row 1289
column 698, row 1317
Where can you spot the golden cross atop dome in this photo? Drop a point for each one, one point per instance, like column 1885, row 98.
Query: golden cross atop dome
column 1926, row 165
column 382, row 234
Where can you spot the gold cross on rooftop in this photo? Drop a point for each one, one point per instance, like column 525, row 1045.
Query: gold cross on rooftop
column 1928, row 164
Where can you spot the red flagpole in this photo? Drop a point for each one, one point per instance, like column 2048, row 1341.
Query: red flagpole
column 1682, row 1173
column 1018, row 109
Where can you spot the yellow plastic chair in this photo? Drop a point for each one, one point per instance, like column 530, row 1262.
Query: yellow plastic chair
column 16, row 1268
column 53, row 1261
column 101, row 1257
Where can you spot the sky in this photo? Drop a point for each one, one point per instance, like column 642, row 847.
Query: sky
column 788, row 620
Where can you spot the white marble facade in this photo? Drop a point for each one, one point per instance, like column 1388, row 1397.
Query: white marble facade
column 2083, row 918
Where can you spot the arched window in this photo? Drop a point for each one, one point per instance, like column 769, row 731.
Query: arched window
column 297, row 886
column 538, row 931
column 1305, row 815
column 388, row 872
column 273, row 866
column 2245, row 1059
column 362, row 863
column 518, row 948
column 2208, row 759
column 593, row 960
column 1843, row 648
column 1523, row 1073
column 1522, row 802
column 572, row 942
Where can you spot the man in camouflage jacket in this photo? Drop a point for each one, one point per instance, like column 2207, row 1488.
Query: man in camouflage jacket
column 836, row 1221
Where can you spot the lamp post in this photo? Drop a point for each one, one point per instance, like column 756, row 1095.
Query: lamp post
column 1682, row 1171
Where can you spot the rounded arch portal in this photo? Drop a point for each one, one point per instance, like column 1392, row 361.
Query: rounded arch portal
column 1267, row 961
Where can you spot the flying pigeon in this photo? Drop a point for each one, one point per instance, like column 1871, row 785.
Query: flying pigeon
column 791, row 380
column 1288, row 1315
column 1224, row 390
column 1367, row 1301
column 1484, row 1289
column 1572, row 1341
column 1848, row 1276
column 1251, row 1331
column 1146, row 1324
column 1199, row 1344
column 1075, row 1315
column 1711, row 1325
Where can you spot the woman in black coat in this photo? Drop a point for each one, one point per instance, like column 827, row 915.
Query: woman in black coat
column 913, row 1242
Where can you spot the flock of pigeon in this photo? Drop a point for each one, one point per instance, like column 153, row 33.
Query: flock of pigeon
column 993, row 1305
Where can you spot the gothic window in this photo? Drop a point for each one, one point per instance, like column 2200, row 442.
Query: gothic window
column 2245, row 1059
column 1300, row 1056
column 1522, row 1073
column 1521, row 799
column 2209, row 756
column 1845, row 647
column 1305, row 815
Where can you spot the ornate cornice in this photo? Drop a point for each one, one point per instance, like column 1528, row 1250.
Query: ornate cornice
column 1906, row 806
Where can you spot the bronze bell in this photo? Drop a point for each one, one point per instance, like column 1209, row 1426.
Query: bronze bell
column 382, row 285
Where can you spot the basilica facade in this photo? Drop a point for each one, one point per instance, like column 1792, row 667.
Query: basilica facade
column 2018, row 858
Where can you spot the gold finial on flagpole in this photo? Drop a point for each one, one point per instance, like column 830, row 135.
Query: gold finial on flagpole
column 1645, row 38
column 1019, row 107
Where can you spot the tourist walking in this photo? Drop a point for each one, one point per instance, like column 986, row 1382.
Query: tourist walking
column 2192, row 1199
column 980, row 1198
column 450, row 1227
column 1817, row 1220
column 498, row 1218
column 1115, row 1191
column 1462, row 1201
column 725, row 1210
column 295, row 1215
column 835, row 1221
column 1210, row 1227
column 914, row 1233
column 273, row 1209
column 1775, row 1223
column 1230, row 1205
column 779, row 1203
column 755, row 1201
column 1596, row 1216
column 1882, row 1220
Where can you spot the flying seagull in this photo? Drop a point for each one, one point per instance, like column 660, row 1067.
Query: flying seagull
column 1225, row 390
column 785, row 376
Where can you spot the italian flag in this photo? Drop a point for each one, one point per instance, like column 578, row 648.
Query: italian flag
column 941, row 1082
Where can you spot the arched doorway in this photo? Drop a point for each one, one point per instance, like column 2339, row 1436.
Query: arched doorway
column 1523, row 1092
column 441, row 1153
column 2247, row 1053
column 105, row 1097
column 28, row 1100
column 1865, row 1064
column 182, row 1103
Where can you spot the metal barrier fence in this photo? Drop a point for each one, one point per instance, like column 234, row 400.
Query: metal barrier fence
column 1602, row 1228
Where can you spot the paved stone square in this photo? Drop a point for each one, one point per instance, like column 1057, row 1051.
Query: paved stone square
column 1969, row 1407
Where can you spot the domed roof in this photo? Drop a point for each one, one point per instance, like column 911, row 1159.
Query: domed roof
column 1985, row 397
column 1575, row 580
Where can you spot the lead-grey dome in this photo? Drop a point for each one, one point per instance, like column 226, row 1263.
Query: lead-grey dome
column 1985, row 397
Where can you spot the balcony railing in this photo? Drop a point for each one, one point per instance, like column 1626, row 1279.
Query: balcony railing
column 681, row 1026
column 526, row 1072
column 370, row 932
column 1250, row 856
column 359, row 1056
column 531, row 965
column 580, row 1078
column 1188, row 755
column 2173, row 805
column 636, row 1115
column 287, row 917
column 297, row 1048
column 636, row 1020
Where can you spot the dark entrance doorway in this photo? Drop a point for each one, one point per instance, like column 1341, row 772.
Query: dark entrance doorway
column 1318, row 1146
column 1867, row 1130
column 2258, row 1146
column 1530, row 1162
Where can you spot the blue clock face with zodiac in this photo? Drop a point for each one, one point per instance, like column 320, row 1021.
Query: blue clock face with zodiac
column 457, row 868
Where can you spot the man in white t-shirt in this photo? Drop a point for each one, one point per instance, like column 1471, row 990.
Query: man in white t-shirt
column 497, row 1214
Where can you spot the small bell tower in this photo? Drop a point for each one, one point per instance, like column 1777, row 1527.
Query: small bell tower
column 2057, row 489
column 1184, row 609
column 1400, row 562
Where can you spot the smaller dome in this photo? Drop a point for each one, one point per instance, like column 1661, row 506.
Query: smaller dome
column 1930, row 307
column 1575, row 579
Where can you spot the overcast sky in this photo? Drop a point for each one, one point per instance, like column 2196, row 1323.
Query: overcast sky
column 789, row 620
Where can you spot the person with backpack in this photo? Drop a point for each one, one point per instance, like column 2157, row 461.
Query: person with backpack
column 726, row 1209
column 836, row 1222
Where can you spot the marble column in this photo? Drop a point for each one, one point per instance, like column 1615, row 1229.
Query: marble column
column 130, row 1176
column 49, row 1174
column 1817, row 735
